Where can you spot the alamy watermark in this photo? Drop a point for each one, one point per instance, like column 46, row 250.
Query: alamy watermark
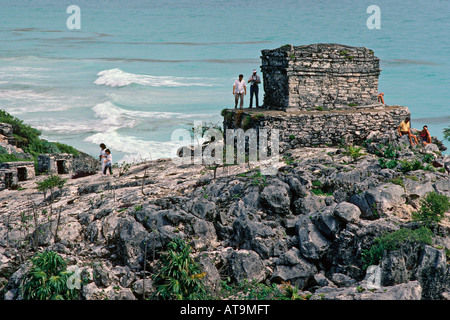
column 234, row 146
column 74, row 21
column 374, row 21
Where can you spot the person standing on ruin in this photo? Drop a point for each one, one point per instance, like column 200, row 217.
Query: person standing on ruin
column 254, row 80
column 239, row 90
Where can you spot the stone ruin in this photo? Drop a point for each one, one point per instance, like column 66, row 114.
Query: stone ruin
column 319, row 94
column 61, row 163
column 330, row 76
column 11, row 173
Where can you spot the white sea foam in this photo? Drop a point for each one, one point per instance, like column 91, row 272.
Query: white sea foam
column 24, row 101
column 118, row 78
column 116, row 117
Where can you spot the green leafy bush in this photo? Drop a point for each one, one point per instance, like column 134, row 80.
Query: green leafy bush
column 447, row 134
column 28, row 138
column 406, row 165
column 64, row 148
column 47, row 279
column 432, row 208
column 353, row 151
column 392, row 241
column 179, row 276
column 23, row 133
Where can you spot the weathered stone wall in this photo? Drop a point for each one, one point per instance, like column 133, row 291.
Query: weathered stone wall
column 11, row 173
column 316, row 128
column 48, row 163
column 330, row 76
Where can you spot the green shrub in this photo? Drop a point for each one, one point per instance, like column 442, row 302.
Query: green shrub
column 354, row 152
column 392, row 241
column 432, row 208
column 23, row 133
column 427, row 158
column 6, row 157
column 247, row 123
column 447, row 134
column 406, row 165
column 398, row 181
column 389, row 164
column 64, row 148
column 179, row 276
column 47, row 279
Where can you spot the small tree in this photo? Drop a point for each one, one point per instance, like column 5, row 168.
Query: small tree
column 50, row 183
column 432, row 208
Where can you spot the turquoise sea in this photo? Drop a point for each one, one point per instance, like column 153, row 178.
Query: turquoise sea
column 136, row 70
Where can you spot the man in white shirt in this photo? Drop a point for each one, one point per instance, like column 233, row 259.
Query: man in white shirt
column 254, row 89
column 239, row 90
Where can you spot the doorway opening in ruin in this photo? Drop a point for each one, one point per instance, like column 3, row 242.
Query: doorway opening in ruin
column 60, row 166
column 22, row 174
column 8, row 179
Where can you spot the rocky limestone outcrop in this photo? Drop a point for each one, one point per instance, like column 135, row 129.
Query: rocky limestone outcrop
column 308, row 226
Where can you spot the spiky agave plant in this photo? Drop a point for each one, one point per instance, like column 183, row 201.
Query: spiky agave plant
column 47, row 278
column 179, row 276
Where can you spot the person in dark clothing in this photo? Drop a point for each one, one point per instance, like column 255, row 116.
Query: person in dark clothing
column 254, row 80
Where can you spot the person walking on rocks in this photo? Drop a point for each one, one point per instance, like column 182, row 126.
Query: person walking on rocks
column 254, row 80
column 108, row 162
column 102, row 156
column 239, row 90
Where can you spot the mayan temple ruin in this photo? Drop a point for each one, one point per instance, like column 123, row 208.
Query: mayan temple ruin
column 319, row 94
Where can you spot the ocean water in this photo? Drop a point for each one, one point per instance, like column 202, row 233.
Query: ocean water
column 137, row 70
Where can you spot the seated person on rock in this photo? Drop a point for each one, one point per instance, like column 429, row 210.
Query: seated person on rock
column 405, row 128
column 425, row 135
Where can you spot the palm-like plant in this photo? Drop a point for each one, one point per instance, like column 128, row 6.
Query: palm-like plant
column 47, row 279
column 179, row 276
column 447, row 134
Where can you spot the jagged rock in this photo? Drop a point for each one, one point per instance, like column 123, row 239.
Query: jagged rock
column 246, row 264
column 253, row 235
column 379, row 200
column 276, row 198
column 292, row 267
column 312, row 243
column 212, row 276
column 342, row 280
column 404, row 291
column 323, row 281
column 433, row 272
column 308, row 204
column 348, row 212
column 204, row 209
column 130, row 237
column 327, row 223
column 443, row 187
column 139, row 289
column 88, row 291
column 431, row 148
column 101, row 277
